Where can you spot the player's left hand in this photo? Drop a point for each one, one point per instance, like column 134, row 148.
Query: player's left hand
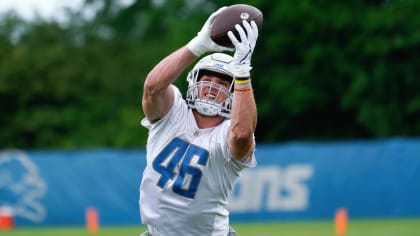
column 241, row 64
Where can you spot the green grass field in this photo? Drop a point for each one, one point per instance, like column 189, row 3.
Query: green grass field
column 407, row 227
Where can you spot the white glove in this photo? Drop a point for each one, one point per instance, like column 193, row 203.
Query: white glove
column 202, row 43
column 241, row 64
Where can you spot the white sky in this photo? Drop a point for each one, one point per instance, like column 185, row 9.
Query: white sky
column 46, row 9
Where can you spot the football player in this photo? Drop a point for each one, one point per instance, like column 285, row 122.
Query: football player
column 197, row 147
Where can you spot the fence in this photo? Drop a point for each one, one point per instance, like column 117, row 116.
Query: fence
column 293, row 181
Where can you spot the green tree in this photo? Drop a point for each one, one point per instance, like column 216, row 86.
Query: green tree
column 322, row 70
column 329, row 70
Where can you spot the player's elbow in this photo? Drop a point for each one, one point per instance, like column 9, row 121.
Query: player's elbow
column 150, row 85
column 241, row 142
column 242, row 137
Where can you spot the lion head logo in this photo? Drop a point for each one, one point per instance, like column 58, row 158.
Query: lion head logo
column 21, row 186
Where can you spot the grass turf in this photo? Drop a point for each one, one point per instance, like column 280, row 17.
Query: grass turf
column 400, row 227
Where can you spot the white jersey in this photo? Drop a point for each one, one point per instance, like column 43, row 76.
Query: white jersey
column 189, row 175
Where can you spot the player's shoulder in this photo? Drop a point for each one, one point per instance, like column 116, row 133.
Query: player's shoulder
column 178, row 112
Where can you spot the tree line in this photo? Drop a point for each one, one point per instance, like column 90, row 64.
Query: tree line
column 322, row 70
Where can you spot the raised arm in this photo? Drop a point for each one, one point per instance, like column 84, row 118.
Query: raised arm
column 157, row 95
column 244, row 110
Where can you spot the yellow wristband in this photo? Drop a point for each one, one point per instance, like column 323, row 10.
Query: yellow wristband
column 243, row 85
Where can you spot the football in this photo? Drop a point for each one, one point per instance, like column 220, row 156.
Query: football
column 229, row 17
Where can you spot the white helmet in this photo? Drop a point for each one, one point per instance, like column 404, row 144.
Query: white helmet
column 206, row 104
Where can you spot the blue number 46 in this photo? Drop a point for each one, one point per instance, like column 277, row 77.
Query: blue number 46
column 179, row 152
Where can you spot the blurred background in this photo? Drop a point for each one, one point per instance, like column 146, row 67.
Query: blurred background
column 323, row 70
column 331, row 79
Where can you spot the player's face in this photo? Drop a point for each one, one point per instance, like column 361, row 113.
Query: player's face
column 213, row 88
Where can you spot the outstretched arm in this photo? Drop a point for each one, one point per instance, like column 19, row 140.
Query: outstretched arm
column 243, row 122
column 157, row 95
column 244, row 110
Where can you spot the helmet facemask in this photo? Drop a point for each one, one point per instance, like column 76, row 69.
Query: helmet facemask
column 210, row 98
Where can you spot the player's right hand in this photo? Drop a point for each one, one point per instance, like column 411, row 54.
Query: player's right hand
column 202, row 42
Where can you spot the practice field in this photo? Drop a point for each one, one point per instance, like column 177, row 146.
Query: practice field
column 406, row 227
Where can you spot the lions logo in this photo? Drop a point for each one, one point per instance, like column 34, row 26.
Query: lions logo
column 21, row 186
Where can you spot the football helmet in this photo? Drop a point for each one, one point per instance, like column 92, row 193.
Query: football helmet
column 209, row 98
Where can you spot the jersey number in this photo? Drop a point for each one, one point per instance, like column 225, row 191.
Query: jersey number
column 180, row 153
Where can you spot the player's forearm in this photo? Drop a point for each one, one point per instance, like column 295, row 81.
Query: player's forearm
column 243, row 123
column 168, row 70
column 157, row 95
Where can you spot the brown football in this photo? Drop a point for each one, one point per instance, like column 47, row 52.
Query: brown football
column 229, row 17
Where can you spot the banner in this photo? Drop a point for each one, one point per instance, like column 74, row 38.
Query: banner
column 374, row 179
column 56, row 187
column 293, row 181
